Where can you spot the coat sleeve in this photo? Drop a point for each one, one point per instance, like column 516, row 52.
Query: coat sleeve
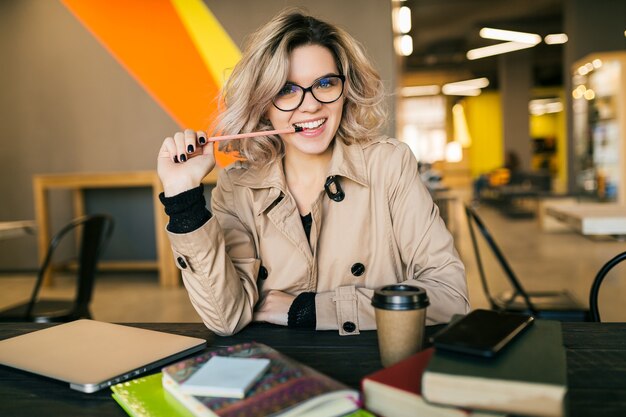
column 219, row 266
column 426, row 246
column 426, row 251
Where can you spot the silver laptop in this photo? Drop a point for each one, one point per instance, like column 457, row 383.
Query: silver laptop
column 92, row 355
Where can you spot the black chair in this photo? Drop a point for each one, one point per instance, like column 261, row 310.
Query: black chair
column 595, row 287
column 554, row 305
column 92, row 234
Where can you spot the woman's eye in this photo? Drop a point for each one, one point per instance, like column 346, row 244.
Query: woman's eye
column 325, row 83
column 286, row 90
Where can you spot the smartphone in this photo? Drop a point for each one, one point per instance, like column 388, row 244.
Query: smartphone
column 481, row 332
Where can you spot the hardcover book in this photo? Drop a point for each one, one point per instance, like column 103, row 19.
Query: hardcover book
column 288, row 388
column 528, row 377
column 396, row 391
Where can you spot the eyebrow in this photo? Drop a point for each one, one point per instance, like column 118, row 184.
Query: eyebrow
column 330, row 74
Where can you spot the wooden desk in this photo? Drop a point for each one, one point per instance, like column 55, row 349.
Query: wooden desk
column 17, row 228
column 591, row 218
column 77, row 182
column 596, row 361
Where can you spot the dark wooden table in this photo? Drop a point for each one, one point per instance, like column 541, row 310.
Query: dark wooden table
column 596, row 359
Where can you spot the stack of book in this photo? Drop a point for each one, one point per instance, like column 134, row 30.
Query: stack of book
column 528, row 377
column 279, row 386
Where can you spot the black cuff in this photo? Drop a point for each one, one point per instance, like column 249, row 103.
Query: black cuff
column 302, row 311
column 187, row 210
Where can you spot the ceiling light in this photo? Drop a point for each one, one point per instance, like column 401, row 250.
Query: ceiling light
column 500, row 48
column 510, row 35
column 465, row 88
column 539, row 107
column 420, row 90
column 597, row 63
column 404, row 19
column 405, row 45
column 555, row 38
column 466, row 92
column 467, row 84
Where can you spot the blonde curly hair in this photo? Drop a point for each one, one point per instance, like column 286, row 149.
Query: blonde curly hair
column 262, row 72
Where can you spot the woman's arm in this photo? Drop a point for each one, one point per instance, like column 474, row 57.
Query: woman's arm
column 426, row 246
column 216, row 255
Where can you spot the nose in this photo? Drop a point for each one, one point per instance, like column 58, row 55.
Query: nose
column 309, row 103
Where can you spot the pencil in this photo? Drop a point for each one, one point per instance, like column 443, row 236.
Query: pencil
column 293, row 129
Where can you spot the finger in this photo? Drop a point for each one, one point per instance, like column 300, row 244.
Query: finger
column 209, row 149
column 202, row 137
column 190, row 141
column 179, row 139
column 168, row 150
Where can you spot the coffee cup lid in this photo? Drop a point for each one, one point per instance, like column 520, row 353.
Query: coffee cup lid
column 400, row 297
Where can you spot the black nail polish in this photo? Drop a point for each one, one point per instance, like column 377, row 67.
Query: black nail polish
column 202, row 140
column 183, row 158
column 190, row 149
column 175, row 159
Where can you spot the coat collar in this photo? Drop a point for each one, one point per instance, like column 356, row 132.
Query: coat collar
column 347, row 161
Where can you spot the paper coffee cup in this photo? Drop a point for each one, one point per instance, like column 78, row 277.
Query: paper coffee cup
column 400, row 320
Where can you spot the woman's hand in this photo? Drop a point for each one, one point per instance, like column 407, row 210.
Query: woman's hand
column 274, row 308
column 184, row 161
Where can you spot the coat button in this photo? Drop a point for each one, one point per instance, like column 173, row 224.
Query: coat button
column 349, row 326
column 357, row 269
column 181, row 262
column 262, row 273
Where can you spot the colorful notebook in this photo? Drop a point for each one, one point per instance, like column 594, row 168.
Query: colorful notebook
column 287, row 388
column 145, row 397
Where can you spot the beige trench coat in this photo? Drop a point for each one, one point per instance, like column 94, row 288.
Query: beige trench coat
column 387, row 222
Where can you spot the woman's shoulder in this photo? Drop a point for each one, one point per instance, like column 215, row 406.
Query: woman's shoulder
column 385, row 147
column 232, row 173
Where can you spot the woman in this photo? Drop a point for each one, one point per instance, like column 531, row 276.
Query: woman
column 304, row 230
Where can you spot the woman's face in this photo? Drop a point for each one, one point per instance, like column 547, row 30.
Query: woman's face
column 320, row 120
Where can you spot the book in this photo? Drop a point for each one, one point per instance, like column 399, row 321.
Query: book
column 225, row 376
column 288, row 388
column 396, row 391
column 528, row 377
column 145, row 397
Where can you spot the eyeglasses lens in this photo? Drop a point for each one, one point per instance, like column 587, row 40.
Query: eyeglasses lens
column 324, row 90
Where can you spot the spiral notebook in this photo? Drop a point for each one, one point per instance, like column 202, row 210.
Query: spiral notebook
column 92, row 355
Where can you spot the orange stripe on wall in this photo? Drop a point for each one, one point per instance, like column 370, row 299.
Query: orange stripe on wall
column 151, row 43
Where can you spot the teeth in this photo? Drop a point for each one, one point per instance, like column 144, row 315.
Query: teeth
column 311, row 125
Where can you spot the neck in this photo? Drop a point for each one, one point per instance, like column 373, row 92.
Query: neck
column 304, row 169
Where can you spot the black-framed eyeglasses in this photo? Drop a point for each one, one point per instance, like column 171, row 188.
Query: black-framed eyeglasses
column 326, row 89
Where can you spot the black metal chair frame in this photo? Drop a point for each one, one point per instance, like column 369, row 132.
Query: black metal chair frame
column 597, row 282
column 576, row 313
column 94, row 235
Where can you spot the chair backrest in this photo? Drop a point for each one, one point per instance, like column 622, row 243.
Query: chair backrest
column 93, row 233
column 597, row 282
column 475, row 222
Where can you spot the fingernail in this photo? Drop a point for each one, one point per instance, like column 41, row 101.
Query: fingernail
column 202, row 140
column 183, row 158
column 175, row 159
column 190, row 149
